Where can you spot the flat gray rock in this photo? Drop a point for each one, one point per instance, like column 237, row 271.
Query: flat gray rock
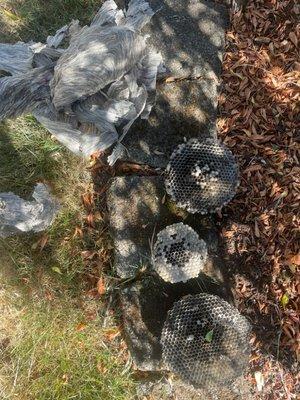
column 138, row 210
column 145, row 305
column 160, row 388
column 184, row 109
column 190, row 34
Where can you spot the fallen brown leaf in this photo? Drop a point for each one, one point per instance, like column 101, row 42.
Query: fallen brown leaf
column 101, row 286
column 81, row 327
column 111, row 334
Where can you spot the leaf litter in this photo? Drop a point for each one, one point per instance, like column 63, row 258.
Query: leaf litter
column 259, row 104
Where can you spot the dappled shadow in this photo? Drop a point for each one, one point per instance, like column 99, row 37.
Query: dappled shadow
column 190, row 37
column 135, row 214
column 138, row 212
column 9, row 155
column 145, row 305
column 167, row 126
column 260, row 225
column 184, row 109
column 27, row 158
column 27, row 20
column 251, row 290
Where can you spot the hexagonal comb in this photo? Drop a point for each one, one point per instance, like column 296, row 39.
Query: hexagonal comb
column 179, row 254
column 202, row 176
column 205, row 341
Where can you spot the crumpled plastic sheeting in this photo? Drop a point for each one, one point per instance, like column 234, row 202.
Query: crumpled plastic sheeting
column 109, row 14
column 19, row 216
column 22, row 57
column 30, row 69
column 55, row 41
column 138, row 15
column 43, row 55
column 100, row 85
column 97, row 56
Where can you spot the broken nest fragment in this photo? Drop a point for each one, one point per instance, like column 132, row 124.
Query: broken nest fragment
column 205, row 341
column 88, row 94
column 179, row 254
column 20, row 216
column 202, row 176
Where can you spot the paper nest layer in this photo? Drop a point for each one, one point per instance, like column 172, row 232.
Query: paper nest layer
column 89, row 94
column 179, row 254
column 19, row 216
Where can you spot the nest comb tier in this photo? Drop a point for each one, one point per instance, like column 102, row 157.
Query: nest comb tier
column 202, row 176
column 179, row 254
column 206, row 341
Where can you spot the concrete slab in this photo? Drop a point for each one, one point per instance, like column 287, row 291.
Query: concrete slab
column 144, row 306
column 160, row 388
column 184, row 109
column 138, row 210
column 190, row 35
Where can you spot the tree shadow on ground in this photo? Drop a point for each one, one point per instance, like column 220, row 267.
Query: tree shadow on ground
column 27, row 20
column 165, row 124
column 8, row 154
column 28, row 156
column 169, row 124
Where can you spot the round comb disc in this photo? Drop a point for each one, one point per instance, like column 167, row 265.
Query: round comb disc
column 205, row 341
column 179, row 254
column 202, row 176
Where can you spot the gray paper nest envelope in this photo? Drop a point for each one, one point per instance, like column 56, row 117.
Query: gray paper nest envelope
column 19, row 216
column 89, row 94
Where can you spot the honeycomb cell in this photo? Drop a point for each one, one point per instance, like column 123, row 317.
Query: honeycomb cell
column 179, row 254
column 205, row 341
column 202, row 176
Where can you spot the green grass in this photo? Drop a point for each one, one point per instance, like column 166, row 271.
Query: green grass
column 43, row 296
column 41, row 301
column 29, row 155
column 36, row 19
column 55, row 354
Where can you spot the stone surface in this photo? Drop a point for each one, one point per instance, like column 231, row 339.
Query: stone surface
column 160, row 388
column 190, row 34
column 138, row 210
column 163, row 389
column 184, row 109
column 136, row 213
column 144, row 306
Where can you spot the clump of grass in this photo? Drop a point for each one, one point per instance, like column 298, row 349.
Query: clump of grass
column 54, row 356
column 36, row 19
column 44, row 355
column 29, row 155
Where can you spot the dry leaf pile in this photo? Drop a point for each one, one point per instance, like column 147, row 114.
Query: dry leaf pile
column 259, row 105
